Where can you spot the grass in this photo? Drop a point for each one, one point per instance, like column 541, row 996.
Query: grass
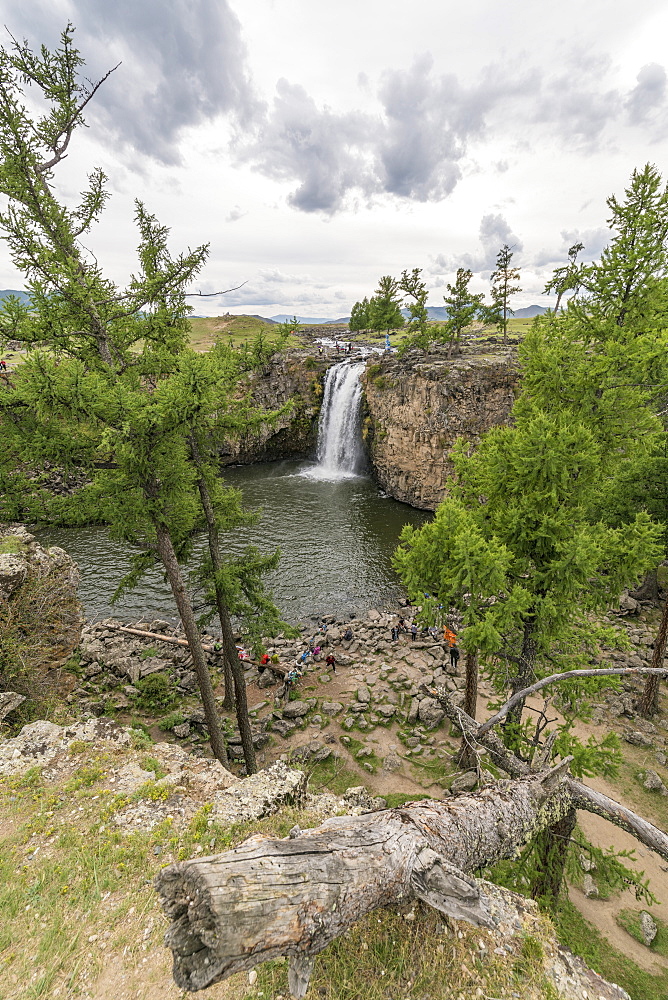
column 331, row 775
column 396, row 799
column 74, row 888
column 415, row 954
column 205, row 331
column 630, row 921
column 11, row 545
column 167, row 723
column 585, row 940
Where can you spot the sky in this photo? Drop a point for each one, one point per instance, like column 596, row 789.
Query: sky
column 316, row 147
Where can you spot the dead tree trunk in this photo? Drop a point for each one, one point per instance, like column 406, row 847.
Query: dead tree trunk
column 583, row 797
column 268, row 898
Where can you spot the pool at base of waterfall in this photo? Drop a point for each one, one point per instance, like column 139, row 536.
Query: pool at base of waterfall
column 336, row 536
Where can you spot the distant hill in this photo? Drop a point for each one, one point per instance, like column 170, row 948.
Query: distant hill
column 529, row 312
column 306, row 320
column 6, row 292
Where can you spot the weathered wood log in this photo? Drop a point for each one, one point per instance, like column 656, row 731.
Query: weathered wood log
column 160, row 636
column 582, row 795
column 268, row 898
column 206, row 646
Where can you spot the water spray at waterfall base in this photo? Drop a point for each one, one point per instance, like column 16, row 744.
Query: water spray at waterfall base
column 340, row 449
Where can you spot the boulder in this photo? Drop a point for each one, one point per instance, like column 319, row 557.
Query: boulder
column 638, row 739
column 13, row 571
column 387, row 711
column 628, row 605
column 9, row 700
column 430, row 713
column 331, row 707
column 259, row 795
column 152, row 665
column 283, row 727
column 392, row 762
column 648, row 928
column 295, row 709
column 653, row 783
column 40, row 743
column 464, row 782
column 589, row 887
column 363, row 694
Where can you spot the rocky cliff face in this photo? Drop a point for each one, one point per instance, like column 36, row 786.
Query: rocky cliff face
column 39, row 611
column 417, row 408
column 292, row 381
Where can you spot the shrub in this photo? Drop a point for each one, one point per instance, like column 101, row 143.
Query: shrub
column 156, row 693
column 169, row 721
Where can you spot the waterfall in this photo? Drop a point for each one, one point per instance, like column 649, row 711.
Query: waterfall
column 340, row 452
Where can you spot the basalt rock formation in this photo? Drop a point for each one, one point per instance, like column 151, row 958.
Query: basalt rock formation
column 415, row 409
column 291, row 380
column 419, row 405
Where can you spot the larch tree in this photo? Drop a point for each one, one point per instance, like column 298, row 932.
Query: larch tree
column 505, row 284
column 604, row 361
column 514, row 548
column 462, row 305
column 360, row 316
column 111, row 383
column 385, row 306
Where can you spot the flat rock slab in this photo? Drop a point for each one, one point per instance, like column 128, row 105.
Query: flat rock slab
column 259, row 795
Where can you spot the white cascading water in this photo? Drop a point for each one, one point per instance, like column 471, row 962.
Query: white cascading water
column 340, row 452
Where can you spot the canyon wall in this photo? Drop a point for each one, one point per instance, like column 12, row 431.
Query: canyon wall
column 293, row 380
column 417, row 407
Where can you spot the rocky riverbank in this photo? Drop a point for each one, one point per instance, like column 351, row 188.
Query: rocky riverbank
column 368, row 714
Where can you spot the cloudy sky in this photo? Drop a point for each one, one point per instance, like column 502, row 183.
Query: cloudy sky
column 318, row 146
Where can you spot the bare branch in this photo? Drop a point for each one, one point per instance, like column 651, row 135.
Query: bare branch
column 583, row 796
column 60, row 151
column 208, row 295
column 567, row 675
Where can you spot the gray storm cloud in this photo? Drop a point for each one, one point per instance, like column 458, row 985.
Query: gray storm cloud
column 648, row 95
column 183, row 62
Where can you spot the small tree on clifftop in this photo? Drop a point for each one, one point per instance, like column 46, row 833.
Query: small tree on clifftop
column 505, row 283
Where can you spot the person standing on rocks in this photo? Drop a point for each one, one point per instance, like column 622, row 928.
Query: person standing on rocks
column 454, row 656
column 291, row 679
column 331, row 662
column 414, row 632
column 449, row 636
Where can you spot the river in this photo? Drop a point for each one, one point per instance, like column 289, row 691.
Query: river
column 336, row 536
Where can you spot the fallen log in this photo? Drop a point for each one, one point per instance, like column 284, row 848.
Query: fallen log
column 206, row 646
column 268, row 898
column 583, row 797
